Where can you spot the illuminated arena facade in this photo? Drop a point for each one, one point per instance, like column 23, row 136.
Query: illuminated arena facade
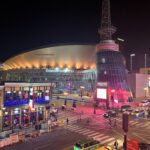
column 68, row 66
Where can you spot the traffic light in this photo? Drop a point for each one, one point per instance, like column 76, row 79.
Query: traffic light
column 125, row 120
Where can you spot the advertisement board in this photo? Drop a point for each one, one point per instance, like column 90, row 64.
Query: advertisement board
column 101, row 93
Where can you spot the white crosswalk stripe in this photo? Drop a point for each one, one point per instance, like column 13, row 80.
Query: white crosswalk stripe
column 87, row 133
column 108, row 140
column 94, row 134
column 145, row 125
column 104, row 139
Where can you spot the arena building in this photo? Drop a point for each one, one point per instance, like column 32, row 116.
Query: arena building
column 68, row 66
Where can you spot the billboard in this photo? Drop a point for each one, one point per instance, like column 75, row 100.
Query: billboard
column 101, row 93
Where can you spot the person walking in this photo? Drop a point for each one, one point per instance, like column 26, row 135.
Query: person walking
column 116, row 144
column 110, row 122
column 67, row 121
column 49, row 125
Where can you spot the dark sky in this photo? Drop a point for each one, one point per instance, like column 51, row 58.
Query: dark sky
column 30, row 24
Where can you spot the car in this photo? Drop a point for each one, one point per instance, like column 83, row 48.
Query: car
column 138, row 113
column 129, row 110
column 110, row 113
column 86, row 144
column 125, row 107
column 104, row 148
column 144, row 103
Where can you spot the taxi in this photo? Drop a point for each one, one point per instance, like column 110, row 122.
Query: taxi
column 87, row 144
column 104, row 148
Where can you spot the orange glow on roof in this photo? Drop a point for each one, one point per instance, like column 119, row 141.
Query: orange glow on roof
column 70, row 56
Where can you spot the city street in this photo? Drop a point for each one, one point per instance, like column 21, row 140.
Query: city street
column 97, row 128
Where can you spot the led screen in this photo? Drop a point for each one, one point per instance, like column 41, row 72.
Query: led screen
column 101, row 93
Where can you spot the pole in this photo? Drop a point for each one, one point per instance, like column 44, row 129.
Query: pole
column 131, row 63
column 145, row 61
column 125, row 141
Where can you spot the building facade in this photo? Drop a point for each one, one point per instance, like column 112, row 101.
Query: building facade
column 23, row 104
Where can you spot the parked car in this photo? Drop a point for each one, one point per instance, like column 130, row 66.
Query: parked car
column 144, row 103
column 87, row 144
column 110, row 113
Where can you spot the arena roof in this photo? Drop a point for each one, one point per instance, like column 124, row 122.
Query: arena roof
column 70, row 56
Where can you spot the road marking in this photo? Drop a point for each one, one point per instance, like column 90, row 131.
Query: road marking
column 98, row 136
column 83, row 131
column 145, row 125
column 94, row 134
column 88, row 132
column 102, row 138
column 108, row 140
column 140, row 137
column 118, row 133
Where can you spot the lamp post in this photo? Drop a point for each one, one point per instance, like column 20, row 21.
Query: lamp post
column 145, row 89
column 112, row 97
column 131, row 55
column 145, row 62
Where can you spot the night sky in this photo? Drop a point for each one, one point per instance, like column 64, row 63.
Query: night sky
column 29, row 25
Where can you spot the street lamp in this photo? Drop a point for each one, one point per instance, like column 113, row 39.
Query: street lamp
column 131, row 55
column 112, row 97
column 145, row 89
column 120, row 39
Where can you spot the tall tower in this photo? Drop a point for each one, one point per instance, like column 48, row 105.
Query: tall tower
column 106, row 30
column 110, row 62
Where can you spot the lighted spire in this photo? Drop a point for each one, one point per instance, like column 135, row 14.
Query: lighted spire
column 106, row 30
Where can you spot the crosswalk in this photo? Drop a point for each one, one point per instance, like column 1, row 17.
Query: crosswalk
column 72, row 117
column 101, row 137
column 141, row 124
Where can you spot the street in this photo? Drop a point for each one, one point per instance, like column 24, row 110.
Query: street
column 83, row 123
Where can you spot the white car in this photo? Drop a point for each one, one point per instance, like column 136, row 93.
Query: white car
column 144, row 103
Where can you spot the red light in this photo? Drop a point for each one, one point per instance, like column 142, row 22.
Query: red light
column 101, row 93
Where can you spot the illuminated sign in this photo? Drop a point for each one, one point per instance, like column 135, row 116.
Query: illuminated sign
column 101, row 93
column 102, row 84
column 149, row 84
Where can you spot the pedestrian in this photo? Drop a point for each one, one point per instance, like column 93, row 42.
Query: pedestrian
column 109, row 123
column 49, row 125
column 116, row 144
column 115, row 123
column 67, row 121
